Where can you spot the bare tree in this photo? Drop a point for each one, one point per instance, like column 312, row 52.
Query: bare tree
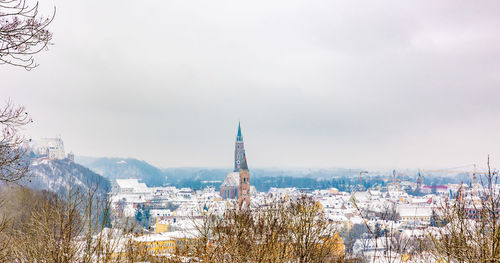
column 387, row 243
column 280, row 231
column 23, row 33
column 49, row 232
column 14, row 164
column 471, row 231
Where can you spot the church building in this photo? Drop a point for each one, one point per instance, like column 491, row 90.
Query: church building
column 237, row 183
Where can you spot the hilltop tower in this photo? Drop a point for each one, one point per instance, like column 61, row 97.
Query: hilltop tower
column 239, row 150
column 244, row 187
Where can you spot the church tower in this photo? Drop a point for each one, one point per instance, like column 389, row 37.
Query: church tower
column 244, row 187
column 239, row 150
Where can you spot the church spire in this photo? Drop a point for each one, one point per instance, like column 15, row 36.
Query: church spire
column 239, row 150
column 239, row 137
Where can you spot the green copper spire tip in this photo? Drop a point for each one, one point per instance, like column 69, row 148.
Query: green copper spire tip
column 239, row 137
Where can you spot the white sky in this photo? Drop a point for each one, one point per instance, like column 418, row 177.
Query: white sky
column 315, row 83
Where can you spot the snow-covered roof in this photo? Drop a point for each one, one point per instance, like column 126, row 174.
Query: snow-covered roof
column 413, row 211
column 132, row 184
column 166, row 236
column 337, row 218
column 190, row 225
column 357, row 220
column 232, row 180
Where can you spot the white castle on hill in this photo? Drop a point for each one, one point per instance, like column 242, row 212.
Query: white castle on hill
column 50, row 148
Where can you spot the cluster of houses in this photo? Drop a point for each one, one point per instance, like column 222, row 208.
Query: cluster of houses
column 173, row 212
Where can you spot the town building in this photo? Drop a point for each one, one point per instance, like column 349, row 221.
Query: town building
column 412, row 213
column 167, row 242
column 128, row 186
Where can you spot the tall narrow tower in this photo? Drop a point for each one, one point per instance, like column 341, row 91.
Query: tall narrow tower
column 239, row 150
column 244, row 187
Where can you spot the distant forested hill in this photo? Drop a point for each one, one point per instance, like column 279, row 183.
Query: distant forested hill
column 123, row 168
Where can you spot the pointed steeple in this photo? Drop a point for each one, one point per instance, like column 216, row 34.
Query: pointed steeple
column 239, row 137
column 244, row 165
column 239, row 150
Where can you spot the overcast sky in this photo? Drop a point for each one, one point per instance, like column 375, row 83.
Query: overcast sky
column 314, row 83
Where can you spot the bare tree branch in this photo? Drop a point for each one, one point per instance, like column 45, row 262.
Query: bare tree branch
column 23, row 33
column 14, row 164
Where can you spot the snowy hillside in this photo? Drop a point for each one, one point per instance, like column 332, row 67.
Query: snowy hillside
column 59, row 175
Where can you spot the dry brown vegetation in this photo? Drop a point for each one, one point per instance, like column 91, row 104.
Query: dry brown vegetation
column 44, row 227
column 282, row 231
column 14, row 164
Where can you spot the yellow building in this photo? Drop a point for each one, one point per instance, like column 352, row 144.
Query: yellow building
column 334, row 190
column 166, row 242
column 161, row 226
